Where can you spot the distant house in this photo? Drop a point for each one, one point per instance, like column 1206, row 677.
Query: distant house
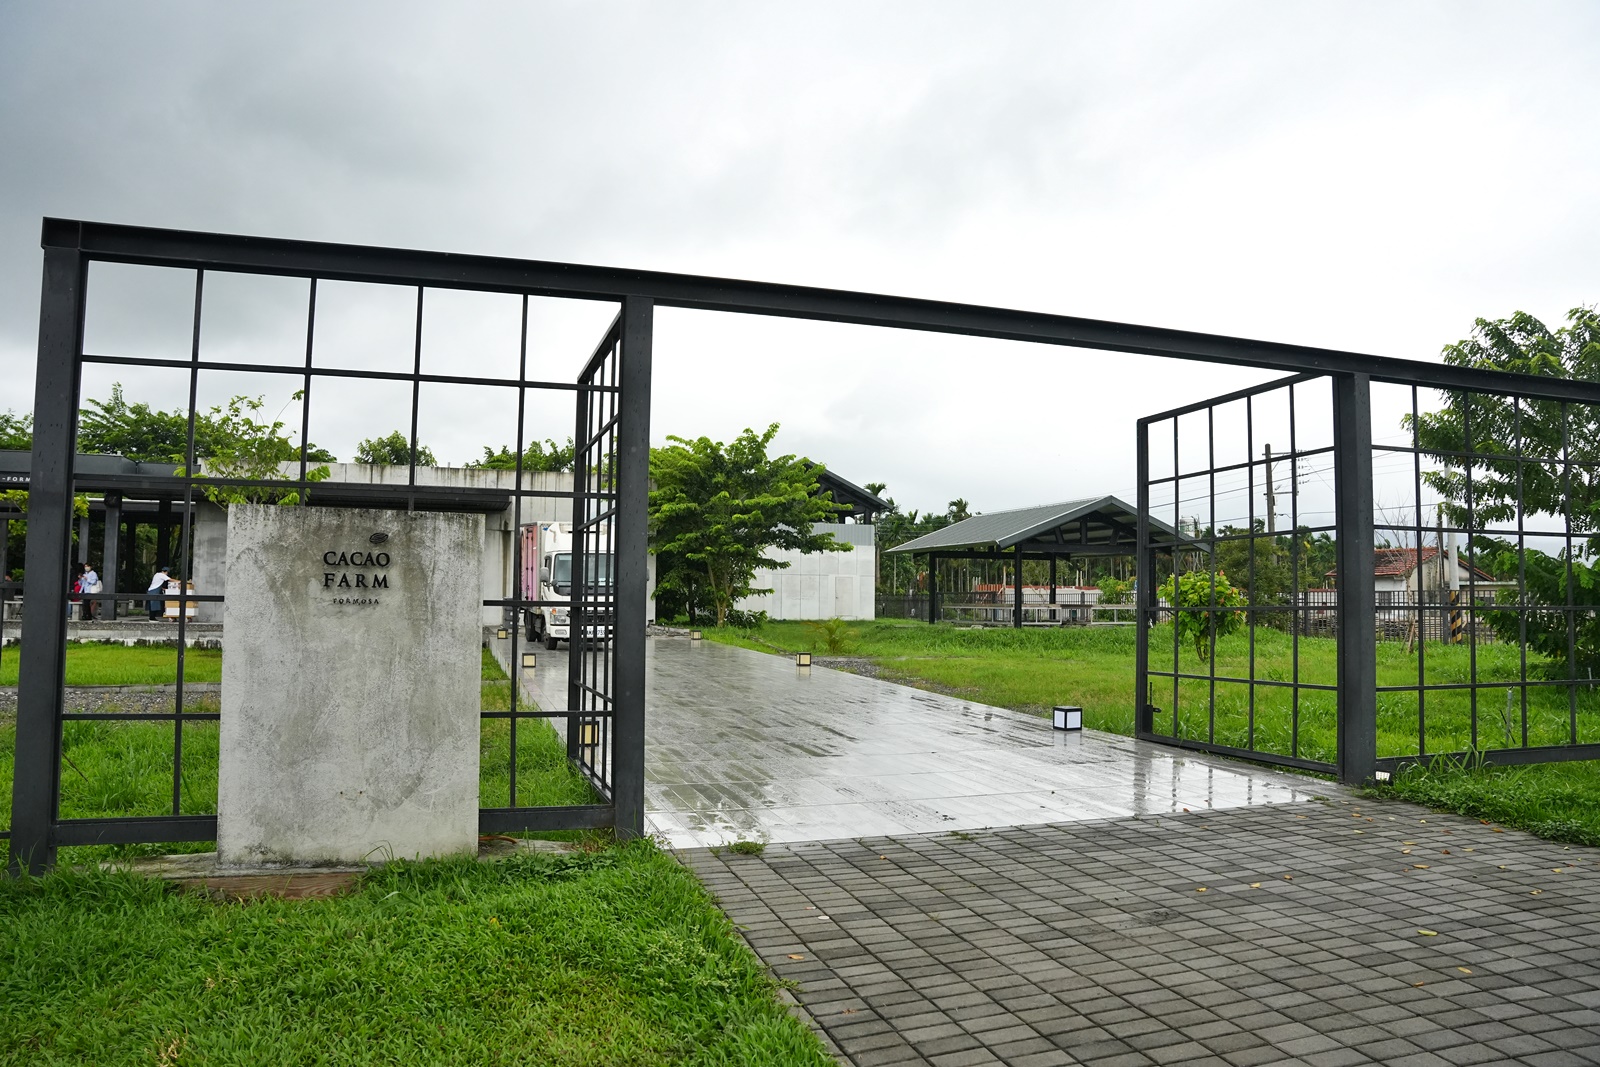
column 1400, row 571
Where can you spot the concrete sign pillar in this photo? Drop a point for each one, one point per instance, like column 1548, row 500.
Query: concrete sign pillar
column 350, row 686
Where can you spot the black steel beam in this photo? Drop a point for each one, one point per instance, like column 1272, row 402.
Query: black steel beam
column 572, row 817
column 42, row 664
column 1356, row 619
column 135, row 831
column 1501, row 757
column 1252, row 755
column 632, row 548
column 307, row 259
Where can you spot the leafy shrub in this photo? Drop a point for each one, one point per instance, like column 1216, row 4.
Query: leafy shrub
column 1203, row 599
column 835, row 634
column 746, row 620
column 1116, row 590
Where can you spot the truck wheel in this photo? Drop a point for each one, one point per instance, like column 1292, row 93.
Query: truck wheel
column 551, row 642
column 528, row 628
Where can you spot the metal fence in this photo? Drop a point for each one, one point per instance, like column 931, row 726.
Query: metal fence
column 612, row 427
column 1269, row 637
column 1317, row 710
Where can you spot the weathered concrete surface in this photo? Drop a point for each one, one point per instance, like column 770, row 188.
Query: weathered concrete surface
column 349, row 729
column 745, row 745
column 210, row 550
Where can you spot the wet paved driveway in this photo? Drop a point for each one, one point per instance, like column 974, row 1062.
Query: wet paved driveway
column 746, row 745
column 1093, row 943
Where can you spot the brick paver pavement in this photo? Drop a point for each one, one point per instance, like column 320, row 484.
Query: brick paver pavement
column 1286, row 934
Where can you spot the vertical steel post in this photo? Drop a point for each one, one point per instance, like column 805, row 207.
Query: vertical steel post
column 1357, row 624
column 108, row 558
column 35, row 785
column 581, row 476
column 1016, row 593
column 933, row 587
column 632, row 547
column 1053, row 578
column 1144, row 573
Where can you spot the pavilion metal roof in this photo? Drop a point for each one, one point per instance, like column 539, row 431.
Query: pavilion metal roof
column 1098, row 522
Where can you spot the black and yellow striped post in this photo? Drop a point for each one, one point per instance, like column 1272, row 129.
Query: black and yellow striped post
column 1458, row 621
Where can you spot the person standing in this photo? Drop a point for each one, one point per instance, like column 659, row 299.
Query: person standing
column 76, row 596
column 158, row 584
column 91, row 587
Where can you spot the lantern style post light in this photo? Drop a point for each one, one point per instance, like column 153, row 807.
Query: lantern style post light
column 1068, row 717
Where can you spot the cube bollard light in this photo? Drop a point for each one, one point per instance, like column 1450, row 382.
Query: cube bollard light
column 530, row 660
column 802, row 659
column 502, row 633
column 1068, row 717
column 695, row 635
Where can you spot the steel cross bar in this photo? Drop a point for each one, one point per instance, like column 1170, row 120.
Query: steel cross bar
column 314, row 259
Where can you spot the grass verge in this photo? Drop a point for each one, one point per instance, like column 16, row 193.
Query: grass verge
column 90, row 663
column 112, row 768
column 1558, row 801
column 610, row 957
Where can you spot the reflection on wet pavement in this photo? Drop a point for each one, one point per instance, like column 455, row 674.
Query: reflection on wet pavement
column 742, row 745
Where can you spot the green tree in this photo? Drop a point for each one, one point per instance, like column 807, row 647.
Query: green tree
column 536, row 457
column 896, row 573
column 114, row 427
column 16, row 431
column 1203, row 589
column 242, row 447
column 1493, row 425
column 716, row 510
column 1116, row 590
column 1563, row 479
column 395, row 451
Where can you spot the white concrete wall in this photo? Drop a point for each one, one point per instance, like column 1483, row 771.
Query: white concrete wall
column 822, row 585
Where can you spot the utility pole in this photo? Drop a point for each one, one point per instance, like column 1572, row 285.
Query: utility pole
column 1272, row 499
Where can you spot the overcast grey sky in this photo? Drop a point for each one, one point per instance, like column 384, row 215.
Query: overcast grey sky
column 1363, row 176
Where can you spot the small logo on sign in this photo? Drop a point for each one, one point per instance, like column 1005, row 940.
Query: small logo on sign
column 378, row 538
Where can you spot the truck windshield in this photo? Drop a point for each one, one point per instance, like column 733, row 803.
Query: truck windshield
column 598, row 569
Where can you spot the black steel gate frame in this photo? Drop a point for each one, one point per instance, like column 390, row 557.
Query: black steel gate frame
column 1356, row 676
column 70, row 245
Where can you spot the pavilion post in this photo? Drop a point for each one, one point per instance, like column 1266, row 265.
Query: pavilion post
column 108, row 557
column 1052, row 578
column 933, row 587
column 1016, row 593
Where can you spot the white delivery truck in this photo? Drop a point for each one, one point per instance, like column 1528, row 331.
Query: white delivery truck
column 547, row 576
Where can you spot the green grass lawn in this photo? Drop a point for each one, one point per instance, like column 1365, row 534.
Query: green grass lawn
column 125, row 768
column 615, row 956
column 103, row 664
column 1559, row 801
column 1034, row 668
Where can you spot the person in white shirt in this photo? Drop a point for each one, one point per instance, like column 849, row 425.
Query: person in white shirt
column 91, row 585
column 158, row 584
